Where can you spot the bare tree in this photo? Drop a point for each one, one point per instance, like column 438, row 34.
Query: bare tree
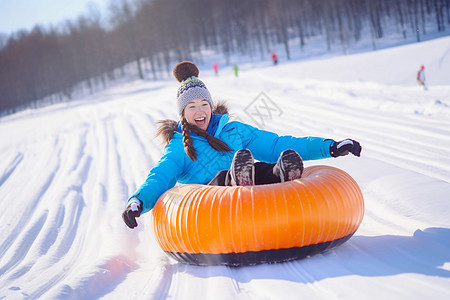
column 149, row 36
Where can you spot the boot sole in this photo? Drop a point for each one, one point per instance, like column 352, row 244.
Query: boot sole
column 291, row 166
column 244, row 170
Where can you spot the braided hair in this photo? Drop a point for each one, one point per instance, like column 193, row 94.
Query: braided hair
column 214, row 142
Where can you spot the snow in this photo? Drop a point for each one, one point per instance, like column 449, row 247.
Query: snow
column 66, row 171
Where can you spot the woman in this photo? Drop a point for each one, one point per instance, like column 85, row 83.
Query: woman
column 205, row 147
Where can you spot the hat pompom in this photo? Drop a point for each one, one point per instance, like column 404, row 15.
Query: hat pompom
column 184, row 70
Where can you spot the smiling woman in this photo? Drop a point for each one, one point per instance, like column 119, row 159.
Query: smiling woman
column 198, row 112
column 206, row 148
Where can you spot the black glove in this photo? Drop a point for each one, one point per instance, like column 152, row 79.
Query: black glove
column 132, row 211
column 344, row 147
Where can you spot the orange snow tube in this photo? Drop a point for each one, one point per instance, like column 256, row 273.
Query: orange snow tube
column 210, row 225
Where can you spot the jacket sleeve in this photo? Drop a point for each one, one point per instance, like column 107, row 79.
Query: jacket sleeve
column 267, row 146
column 162, row 177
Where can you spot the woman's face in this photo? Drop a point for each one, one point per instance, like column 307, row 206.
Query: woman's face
column 198, row 112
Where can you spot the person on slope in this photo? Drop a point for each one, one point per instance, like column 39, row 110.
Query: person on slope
column 236, row 70
column 205, row 147
column 421, row 77
column 274, row 57
column 215, row 67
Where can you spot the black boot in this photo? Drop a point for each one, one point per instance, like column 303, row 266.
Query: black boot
column 242, row 171
column 289, row 166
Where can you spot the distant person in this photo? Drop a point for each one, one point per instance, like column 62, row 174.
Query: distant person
column 236, row 70
column 421, row 77
column 215, row 67
column 274, row 58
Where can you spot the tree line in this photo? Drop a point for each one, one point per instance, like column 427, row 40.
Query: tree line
column 148, row 36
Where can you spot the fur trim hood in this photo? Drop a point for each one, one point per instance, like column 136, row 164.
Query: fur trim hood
column 167, row 128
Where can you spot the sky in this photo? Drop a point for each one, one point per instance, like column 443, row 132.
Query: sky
column 25, row 14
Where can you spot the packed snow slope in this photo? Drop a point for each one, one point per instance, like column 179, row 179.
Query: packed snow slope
column 67, row 170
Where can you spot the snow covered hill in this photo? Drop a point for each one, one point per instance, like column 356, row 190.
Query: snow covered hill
column 67, row 170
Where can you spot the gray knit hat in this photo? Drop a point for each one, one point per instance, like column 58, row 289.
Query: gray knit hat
column 191, row 87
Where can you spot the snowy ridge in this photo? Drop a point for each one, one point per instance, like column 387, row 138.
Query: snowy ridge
column 67, row 170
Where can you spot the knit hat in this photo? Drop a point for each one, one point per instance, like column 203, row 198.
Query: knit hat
column 191, row 87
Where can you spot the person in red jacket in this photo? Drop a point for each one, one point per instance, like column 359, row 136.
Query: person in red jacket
column 421, row 77
column 274, row 58
column 215, row 67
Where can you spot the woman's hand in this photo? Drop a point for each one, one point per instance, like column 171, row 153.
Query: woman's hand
column 345, row 147
column 133, row 211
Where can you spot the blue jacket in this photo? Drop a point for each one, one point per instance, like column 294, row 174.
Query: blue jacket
column 175, row 166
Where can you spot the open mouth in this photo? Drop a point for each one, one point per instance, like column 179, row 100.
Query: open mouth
column 200, row 121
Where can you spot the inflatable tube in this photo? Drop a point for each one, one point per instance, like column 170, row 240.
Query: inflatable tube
column 210, row 225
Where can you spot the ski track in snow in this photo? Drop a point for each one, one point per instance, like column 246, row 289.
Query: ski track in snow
column 68, row 169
